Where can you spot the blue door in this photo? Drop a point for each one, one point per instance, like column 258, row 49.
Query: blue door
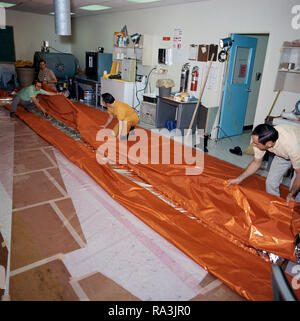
column 237, row 85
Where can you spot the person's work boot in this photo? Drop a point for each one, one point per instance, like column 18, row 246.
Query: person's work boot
column 12, row 115
column 205, row 143
column 236, row 150
column 131, row 131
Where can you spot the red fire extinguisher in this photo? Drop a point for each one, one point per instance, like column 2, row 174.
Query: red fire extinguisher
column 194, row 80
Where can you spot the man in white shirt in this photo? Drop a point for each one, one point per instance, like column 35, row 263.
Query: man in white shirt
column 284, row 141
column 47, row 75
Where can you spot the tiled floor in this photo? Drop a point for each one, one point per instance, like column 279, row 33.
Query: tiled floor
column 220, row 148
column 59, row 250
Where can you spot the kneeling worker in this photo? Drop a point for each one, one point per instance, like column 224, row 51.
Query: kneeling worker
column 26, row 97
column 126, row 115
column 284, row 141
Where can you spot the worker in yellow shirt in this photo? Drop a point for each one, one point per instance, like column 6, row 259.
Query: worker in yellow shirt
column 126, row 115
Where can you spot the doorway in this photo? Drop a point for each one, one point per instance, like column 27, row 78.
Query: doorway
column 259, row 61
column 241, row 90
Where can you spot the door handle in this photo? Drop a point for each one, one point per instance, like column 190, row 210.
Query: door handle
column 248, row 90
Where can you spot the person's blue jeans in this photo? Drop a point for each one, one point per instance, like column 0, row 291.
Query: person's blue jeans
column 28, row 105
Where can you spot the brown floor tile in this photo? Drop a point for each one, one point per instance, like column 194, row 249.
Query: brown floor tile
column 22, row 128
column 45, row 230
column 220, row 293
column 55, row 173
column 3, row 259
column 224, row 293
column 3, row 252
column 30, row 160
column 207, row 280
column 29, row 142
column 51, row 154
column 24, row 249
column 100, row 288
column 33, row 188
column 68, row 210
column 49, row 282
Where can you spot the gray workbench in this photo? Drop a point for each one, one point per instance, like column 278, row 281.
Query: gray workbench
column 169, row 109
column 87, row 81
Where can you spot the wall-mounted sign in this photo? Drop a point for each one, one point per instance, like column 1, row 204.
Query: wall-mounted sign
column 243, row 71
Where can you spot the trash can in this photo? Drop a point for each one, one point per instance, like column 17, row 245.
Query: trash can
column 25, row 76
column 164, row 92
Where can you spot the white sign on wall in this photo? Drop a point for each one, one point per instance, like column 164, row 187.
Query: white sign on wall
column 179, row 54
column 177, row 39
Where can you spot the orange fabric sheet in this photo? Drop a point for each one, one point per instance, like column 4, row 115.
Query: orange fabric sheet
column 223, row 226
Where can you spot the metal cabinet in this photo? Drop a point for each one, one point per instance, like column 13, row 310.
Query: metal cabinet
column 168, row 109
column 83, row 79
column 148, row 113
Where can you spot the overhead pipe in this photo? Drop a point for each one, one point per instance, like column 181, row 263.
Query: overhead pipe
column 2, row 18
column 62, row 17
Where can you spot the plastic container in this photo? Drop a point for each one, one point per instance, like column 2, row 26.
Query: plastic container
column 88, row 95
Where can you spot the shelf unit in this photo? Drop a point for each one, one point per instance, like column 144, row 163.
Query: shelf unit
column 290, row 71
column 288, row 75
column 143, row 52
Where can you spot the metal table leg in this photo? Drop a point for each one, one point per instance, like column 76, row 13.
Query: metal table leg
column 76, row 89
column 96, row 99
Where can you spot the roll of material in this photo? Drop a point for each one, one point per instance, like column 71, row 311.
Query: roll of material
column 62, row 17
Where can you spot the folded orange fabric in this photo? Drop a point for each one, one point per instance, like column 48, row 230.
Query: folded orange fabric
column 222, row 228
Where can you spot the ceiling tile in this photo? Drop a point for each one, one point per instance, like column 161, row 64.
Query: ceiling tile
column 46, row 6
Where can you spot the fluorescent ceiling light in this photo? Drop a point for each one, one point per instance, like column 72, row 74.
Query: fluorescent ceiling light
column 143, row 1
column 94, row 7
column 6, row 4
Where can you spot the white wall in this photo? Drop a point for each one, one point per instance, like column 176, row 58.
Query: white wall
column 29, row 32
column 261, row 47
column 203, row 22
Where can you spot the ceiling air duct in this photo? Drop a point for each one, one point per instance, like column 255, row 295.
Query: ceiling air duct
column 62, row 17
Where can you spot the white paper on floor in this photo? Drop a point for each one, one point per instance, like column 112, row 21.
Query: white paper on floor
column 122, row 247
column 7, row 128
